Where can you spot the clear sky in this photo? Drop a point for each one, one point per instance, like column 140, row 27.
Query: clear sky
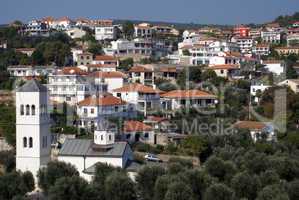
column 196, row 11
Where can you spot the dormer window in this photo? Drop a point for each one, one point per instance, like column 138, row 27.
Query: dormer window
column 24, row 142
column 30, row 142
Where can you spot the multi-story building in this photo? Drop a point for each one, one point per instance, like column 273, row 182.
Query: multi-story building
column 245, row 44
column 30, row 71
column 93, row 111
column 137, row 48
column 144, row 97
column 113, row 79
column 293, row 39
column 226, row 70
column 143, row 30
column 143, row 75
column 106, row 32
column 178, row 99
column 105, row 60
column 271, row 36
column 84, row 58
column 261, row 49
column 36, row 28
column 292, row 83
column 275, row 66
column 71, row 85
column 241, row 31
column 287, row 50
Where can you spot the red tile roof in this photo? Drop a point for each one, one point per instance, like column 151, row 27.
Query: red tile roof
column 135, row 126
column 228, row 66
column 155, row 118
column 251, row 125
column 108, row 100
column 100, row 74
column 72, row 71
column 100, row 66
column 188, row 94
column 136, row 87
column 105, row 58
column 139, row 69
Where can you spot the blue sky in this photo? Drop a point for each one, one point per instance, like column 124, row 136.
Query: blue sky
column 196, row 11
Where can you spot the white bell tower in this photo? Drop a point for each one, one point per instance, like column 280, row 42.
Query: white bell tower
column 33, row 142
column 103, row 137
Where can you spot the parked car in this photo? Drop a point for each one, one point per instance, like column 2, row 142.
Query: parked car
column 152, row 157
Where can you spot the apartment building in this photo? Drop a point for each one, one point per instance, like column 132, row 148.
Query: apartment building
column 261, row 49
column 113, row 79
column 71, row 85
column 24, row 71
column 245, row 44
column 144, row 97
column 109, row 32
column 272, row 36
column 85, row 58
column 143, row 30
column 36, row 28
column 93, row 111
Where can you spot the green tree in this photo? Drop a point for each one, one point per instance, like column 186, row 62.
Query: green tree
column 28, row 180
column 178, row 191
column 12, row 184
column 102, row 171
column 74, row 187
column 126, row 64
column 118, row 186
column 95, row 48
column 246, row 185
column 293, row 190
column 194, row 145
column 219, row 192
column 272, row 192
column 146, row 179
column 8, row 160
column 128, row 30
column 7, row 123
column 47, row 176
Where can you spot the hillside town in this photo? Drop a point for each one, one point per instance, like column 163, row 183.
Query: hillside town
column 109, row 109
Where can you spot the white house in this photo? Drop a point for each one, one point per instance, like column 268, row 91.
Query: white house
column 140, row 74
column 105, row 60
column 75, row 33
column 275, row 66
column 93, row 110
column 30, row 71
column 245, row 44
column 178, row 99
column 261, row 49
column 144, row 97
column 136, row 131
column 113, row 79
column 108, row 32
column 85, row 154
column 226, row 70
column 33, row 140
column 257, row 129
column 271, row 36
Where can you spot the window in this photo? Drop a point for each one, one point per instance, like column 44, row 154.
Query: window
column 221, row 71
column 102, row 137
column 118, row 95
column 85, row 110
column 44, row 141
column 27, row 110
column 110, row 138
column 24, row 142
column 92, row 110
column 33, row 110
column 146, row 135
column 116, row 108
column 30, row 142
column 22, row 109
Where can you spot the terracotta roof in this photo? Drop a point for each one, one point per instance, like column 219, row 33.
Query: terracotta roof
column 262, row 45
column 168, row 69
column 139, row 69
column 233, row 54
column 188, row 94
column 295, row 47
column 25, row 49
column 155, row 118
column 133, row 126
column 100, row 74
column 105, row 58
column 228, row 66
column 100, row 66
column 251, row 125
column 136, row 87
column 72, row 71
column 108, row 100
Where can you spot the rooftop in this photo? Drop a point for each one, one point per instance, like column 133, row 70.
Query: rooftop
column 136, row 87
column 251, row 125
column 135, row 126
column 188, row 94
column 32, row 86
column 116, row 74
column 102, row 101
